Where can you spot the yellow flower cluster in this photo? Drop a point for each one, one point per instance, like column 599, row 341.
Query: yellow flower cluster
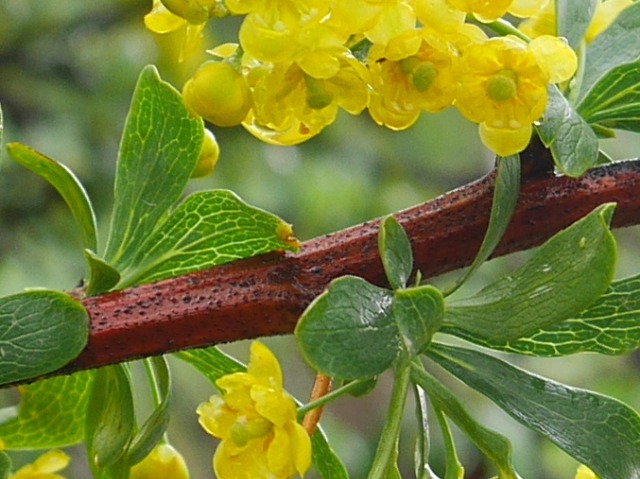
column 256, row 421
column 297, row 62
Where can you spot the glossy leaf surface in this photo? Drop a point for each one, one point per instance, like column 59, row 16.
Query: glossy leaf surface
column 564, row 276
column 597, row 430
column 40, row 331
column 158, row 152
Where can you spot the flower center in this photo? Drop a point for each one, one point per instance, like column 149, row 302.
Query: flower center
column 244, row 430
column 422, row 73
column 502, row 86
column 318, row 97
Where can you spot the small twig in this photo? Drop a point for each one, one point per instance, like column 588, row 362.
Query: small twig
column 321, row 387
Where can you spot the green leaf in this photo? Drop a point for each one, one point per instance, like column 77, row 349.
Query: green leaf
column 573, row 144
column 158, row 151
column 51, row 413
column 327, row 463
column 418, row 312
column 614, row 102
column 5, row 465
column 609, row 326
column 40, row 331
column 597, row 430
column 573, row 18
column 348, row 331
column 211, row 362
column 65, row 183
column 102, row 276
column 395, row 252
column 156, row 424
column 496, row 447
column 422, row 449
column 617, row 45
column 110, row 417
column 564, row 276
column 505, row 197
column 209, row 228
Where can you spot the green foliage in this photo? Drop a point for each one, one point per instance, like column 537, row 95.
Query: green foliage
column 573, row 143
column 573, row 18
column 495, row 446
column 325, row 459
column 505, row 198
column 110, row 422
column 614, row 101
column 395, row 252
column 578, row 421
column 158, row 152
column 563, row 277
column 51, row 413
column 611, row 325
column 617, row 45
column 34, row 321
column 66, row 183
column 209, row 228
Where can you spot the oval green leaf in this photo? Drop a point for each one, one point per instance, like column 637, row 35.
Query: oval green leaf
column 395, row 252
column 51, row 413
column 40, row 331
column 158, row 151
column 209, row 228
column 110, row 417
column 573, row 143
column 563, row 277
column 418, row 312
column 573, row 18
column 611, row 326
column 597, row 430
column 348, row 331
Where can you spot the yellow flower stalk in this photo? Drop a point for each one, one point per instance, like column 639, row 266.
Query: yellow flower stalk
column 256, row 422
column 45, row 467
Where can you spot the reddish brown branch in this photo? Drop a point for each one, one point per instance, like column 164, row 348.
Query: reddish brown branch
column 265, row 295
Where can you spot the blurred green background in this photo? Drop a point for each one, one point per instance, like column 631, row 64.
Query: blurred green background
column 67, row 71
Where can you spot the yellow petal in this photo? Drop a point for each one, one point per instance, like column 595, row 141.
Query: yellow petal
column 555, row 57
column 163, row 461
column 264, row 365
column 584, row 472
column 527, row 8
column 301, row 447
column 161, row 20
column 505, row 142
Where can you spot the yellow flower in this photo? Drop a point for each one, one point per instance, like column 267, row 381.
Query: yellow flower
column 484, row 10
column 584, row 472
column 218, row 93
column 403, row 88
column 544, row 22
column 163, row 461
column 256, row 421
column 503, row 86
column 44, row 467
column 162, row 21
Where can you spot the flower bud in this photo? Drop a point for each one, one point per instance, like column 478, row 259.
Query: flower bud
column 218, row 93
column 209, row 153
column 163, row 461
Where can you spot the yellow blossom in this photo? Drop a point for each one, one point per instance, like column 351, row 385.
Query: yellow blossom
column 606, row 12
column 218, row 93
column 484, row 10
column 161, row 20
column 584, row 472
column 503, row 87
column 544, row 21
column 256, row 421
column 44, row 467
column 164, row 461
column 403, row 88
